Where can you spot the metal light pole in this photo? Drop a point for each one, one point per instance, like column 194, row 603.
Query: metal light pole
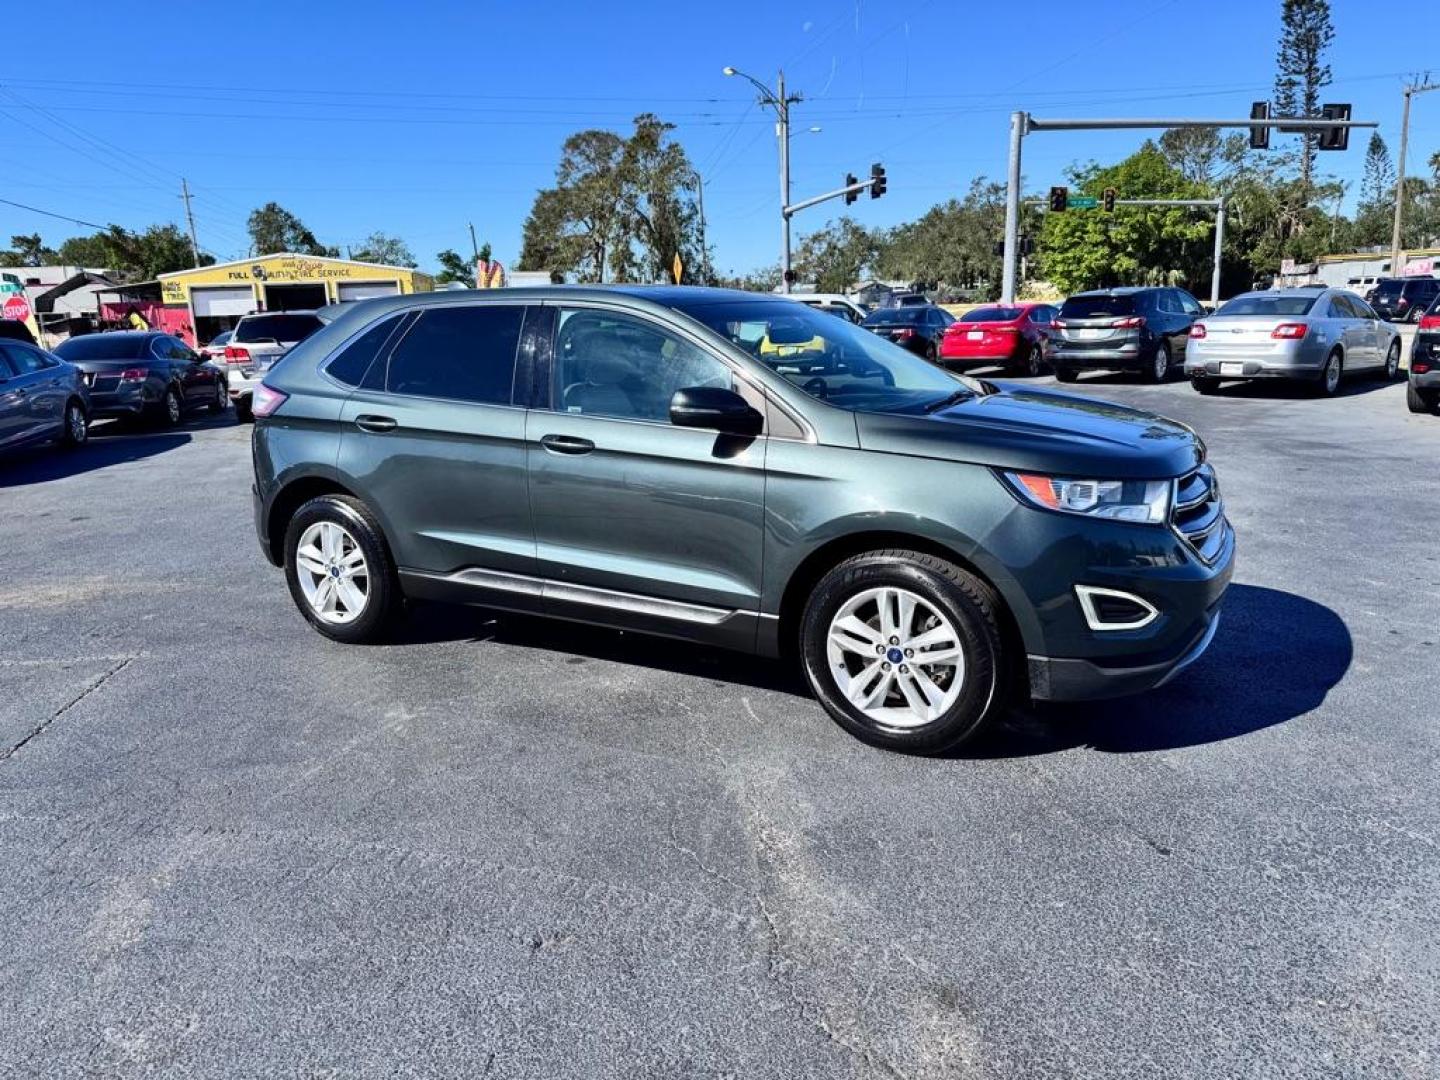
column 780, row 102
column 1410, row 91
column 1019, row 122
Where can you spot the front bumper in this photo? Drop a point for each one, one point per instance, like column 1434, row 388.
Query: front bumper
column 1060, row 679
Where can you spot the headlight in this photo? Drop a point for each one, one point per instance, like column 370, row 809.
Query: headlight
column 1121, row 500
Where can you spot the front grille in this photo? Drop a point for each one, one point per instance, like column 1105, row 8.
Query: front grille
column 1199, row 513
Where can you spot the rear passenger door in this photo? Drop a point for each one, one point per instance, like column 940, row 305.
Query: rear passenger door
column 435, row 436
column 38, row 390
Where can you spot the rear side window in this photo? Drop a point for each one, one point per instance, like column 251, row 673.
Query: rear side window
column 460, row 353
column 354, row 360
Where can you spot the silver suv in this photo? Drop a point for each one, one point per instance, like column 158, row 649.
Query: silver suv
column 259, row 340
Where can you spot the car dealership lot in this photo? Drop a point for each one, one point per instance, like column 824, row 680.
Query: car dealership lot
column 506, row 847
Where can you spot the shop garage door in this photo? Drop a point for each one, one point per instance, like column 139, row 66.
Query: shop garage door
column 359, row 290
column 222, row 300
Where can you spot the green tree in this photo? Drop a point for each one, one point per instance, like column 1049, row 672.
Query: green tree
column 159, row 249
column 1301, row 71
column 89, row 251
column 31, row 250
column 454, row 268
column 385, row 250
column 1376, row 200
column 274, row 229
column 620, row 207
column 835, row 256
column 953, row 243
column 1134, row 245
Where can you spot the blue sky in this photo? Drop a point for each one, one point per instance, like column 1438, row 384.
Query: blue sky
column 363, row 116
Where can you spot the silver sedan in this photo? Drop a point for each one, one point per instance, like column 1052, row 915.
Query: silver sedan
column 1311, row 333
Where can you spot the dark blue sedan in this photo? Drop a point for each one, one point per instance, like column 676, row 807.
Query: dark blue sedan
column 41, row 398
column 145, row 373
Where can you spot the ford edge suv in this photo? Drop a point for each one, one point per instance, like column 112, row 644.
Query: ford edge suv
column 741, row 471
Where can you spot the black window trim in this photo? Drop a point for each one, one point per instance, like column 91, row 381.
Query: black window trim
column 419, row 312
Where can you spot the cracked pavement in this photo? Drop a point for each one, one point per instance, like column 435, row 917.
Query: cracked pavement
column 507, row 848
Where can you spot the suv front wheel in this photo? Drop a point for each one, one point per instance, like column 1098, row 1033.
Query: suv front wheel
column 904, row 651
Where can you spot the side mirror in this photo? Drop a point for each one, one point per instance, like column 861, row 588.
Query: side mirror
column 715, row 408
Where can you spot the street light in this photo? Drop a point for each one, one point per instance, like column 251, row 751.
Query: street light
column 780, row 102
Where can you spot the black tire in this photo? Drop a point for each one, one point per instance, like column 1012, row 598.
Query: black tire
column 1324, row 386
column 1391, row 371
column 384, row 599
column 932, row 353
column 222, row 398
column 170, row 408
column 1205, row 385
column 1158, row 370
column 1417, row 400
column 243, row 411
column 1034, row 363
column 967, row 603
column 1413, row 315
column 1064, row 374
column 74, row 434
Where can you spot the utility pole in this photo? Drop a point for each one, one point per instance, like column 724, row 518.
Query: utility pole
column 194, row 244
column 1410, row 92
column 704, row 251
column 780, row 102
column 474, row 248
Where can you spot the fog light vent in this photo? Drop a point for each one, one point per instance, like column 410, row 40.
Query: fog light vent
column 1110, row 609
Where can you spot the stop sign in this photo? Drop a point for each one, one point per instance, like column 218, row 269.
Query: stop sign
column 17, row 308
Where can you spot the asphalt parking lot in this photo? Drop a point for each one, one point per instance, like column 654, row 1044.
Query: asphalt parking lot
column 506, row 848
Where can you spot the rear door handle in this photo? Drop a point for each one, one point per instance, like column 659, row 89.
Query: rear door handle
column 566, row 444
column 370, row 422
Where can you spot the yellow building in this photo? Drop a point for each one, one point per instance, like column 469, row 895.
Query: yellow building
column 212, row 298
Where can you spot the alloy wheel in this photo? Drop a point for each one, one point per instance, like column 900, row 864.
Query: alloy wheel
column 75, row 423
column 1162, row 363
column 172, row 406
column 332, row 572
column 1392, row 361
column 895, row 657
column 1332, row 374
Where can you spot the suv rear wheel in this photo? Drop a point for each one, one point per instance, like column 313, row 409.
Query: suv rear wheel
column 339, row 570
column 1158, row 369
column 904, row 650
column 1417, row 400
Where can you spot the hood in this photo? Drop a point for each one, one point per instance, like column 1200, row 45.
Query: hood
column 1041, row 431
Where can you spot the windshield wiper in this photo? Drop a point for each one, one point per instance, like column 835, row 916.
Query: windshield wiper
column 948, row 400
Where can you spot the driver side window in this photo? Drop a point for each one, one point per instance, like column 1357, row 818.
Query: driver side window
column 614, row 365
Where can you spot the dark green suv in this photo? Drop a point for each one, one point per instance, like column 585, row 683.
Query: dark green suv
column 740, row 471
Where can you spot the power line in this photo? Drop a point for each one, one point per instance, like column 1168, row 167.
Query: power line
column 51, row 213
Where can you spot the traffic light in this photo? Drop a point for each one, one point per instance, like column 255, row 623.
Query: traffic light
column 998, row 248
column 877, row 177
column 1107, row 200
column 850, row 181
column 1059, row 197
column 1260, row 136
column 1336, row 138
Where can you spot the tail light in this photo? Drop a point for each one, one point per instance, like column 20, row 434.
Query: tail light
column 1197, row 330
column 236, row 355
column 903, row 334
column 1290, row 331
column 134, row 374
column 1057, row 324
column 264, row 400
column 1430, row 322
column 1128, row 324
column 1420, row 367
column 1003, row 329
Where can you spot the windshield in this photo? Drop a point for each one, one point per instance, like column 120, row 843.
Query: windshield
column 1267, row 305
column 910, row 316
column 284, row 328
column 991, row 314
column 103, row 347
column 831, row 359
column 1085, row 307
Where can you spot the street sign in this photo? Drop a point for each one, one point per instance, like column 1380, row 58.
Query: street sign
column 1082, row 202
column 17, row 308
column 677, row 267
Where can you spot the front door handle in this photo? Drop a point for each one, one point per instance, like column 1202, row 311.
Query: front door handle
column 370, row 422
column 566, row 444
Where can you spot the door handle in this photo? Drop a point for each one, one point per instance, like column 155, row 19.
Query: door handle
column 566, row 444
column 377, row 424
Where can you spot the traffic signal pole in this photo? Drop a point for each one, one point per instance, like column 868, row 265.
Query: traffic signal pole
column 1022, row 124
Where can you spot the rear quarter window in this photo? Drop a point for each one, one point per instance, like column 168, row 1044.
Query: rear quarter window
column 353, row 360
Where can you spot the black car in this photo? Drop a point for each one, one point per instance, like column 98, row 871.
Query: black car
column 1405, row 299
column 1135, row 329
column 1422, row 386
column 144, row 373
column 10, row 330
column 918, row 327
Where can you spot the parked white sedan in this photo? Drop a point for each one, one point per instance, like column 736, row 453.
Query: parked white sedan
column 1311, row 333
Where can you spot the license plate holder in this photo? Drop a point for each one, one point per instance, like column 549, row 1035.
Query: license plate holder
column 1232, row 367
column 975, row 335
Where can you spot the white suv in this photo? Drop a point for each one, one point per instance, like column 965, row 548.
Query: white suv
column 260, row 340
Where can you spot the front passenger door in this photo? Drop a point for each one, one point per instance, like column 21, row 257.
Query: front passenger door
column 628, row 507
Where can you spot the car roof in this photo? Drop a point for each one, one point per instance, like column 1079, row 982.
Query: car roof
column 292, row 311
column 1122, row 290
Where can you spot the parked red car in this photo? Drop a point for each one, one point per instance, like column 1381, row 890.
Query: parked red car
column 1013, row 335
